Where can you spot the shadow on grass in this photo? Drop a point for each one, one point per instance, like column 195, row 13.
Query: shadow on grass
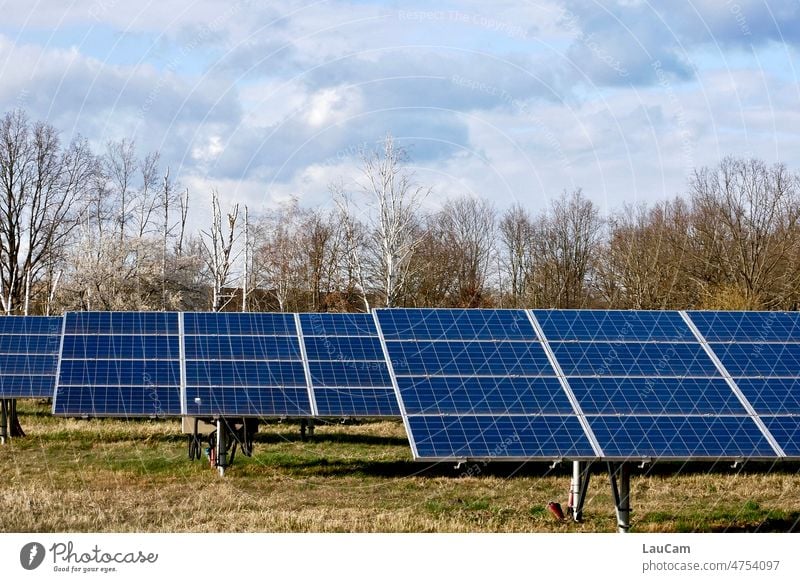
column 338, row 438
column 788, row 524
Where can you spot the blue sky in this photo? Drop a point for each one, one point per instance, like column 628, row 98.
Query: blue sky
column 514, row 101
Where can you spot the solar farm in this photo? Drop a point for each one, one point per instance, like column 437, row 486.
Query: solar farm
column 529, row 402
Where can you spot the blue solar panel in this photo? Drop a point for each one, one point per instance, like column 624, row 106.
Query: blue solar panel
column 759, row 360
column 609, row 325
column 25, row 325
column 655, row 396
column 121, row 323
column 244, row 364
column 241, row 347
column 28, row 355
column 254, row 401
column 478, row 384
column 469, row 358
column 361, row 402
column 680, row 437
column 786, row 431
column 452, row 395
column 253, row 324
column 127, row 401
column 633, row 359
column 338, row 324
column 119, row 364
column 119, row 347
column 349, row 375
column 747, row 326
column 244, row 374
column 772, row 396
column 454, row 324
column 344, row 348
column 480, row 437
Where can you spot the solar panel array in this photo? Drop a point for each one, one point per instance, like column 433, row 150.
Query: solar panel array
column 648, row 387
column 122, row 364
column 641, row 385
column 512, row 384
column 477, row 384
column 29, row 356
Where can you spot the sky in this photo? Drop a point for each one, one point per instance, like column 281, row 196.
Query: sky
column 512, row 101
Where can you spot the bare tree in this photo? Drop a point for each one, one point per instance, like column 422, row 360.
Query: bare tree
column 392, row 204
column 751, row 213
column 217, row 244
column 42, row 195
column 565, row 244
column 467, row 227
column 516, row 232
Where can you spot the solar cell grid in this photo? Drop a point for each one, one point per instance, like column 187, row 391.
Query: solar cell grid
column 627, row 359
column 119, row 364
column 747, row 326
column 655, row 396
column 244, row 364
column 680, row 437
column 338, row 324
column 347, row 368
column 510, row 437
column 28, row 355
column 455, row 324
column 611, row 325
column 759, row 360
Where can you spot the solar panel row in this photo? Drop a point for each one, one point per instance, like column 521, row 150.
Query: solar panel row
column 468, row 383
column 232, row 364
column 644, row 384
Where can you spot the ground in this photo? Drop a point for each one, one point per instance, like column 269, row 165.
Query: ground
column 134, row 476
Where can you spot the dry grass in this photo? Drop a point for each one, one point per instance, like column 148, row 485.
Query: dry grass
column 118, row 476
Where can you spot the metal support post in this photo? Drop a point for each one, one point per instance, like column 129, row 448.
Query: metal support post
column 3, row 421
column 222, row 445
column 621, row 489
column 578, row 488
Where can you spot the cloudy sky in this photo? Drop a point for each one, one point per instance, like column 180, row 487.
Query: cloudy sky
column 514, row 101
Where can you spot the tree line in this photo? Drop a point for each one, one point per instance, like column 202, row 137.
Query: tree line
column 110, row 230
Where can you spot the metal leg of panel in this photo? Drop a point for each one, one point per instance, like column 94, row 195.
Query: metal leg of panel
column 621, row 489
column 578, row 488
column 222, row 445
column 3, row 421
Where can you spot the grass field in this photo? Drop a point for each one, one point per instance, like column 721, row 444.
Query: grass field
column 134, row 476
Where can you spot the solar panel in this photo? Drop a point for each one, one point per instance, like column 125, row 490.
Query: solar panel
column 759, row 360
column 786, row 430
column 478, row 384
column 628, row 359
column 455, row 324
column 612, row 325
column 760, row 351
column 680, row 437
column 499, row 436
column 244, row 364
column 28, row 355
column 655, row 395
column 747, row 326
column 346, row 365
column 123, row 364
